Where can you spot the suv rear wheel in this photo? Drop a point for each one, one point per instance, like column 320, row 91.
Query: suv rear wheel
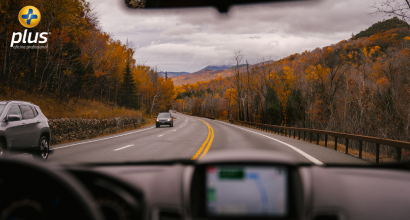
column 43, row 149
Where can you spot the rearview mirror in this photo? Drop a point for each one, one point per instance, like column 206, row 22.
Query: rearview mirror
column 13, row 118
column 221, row 5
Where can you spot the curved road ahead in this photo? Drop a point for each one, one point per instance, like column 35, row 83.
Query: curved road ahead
column 190, row 138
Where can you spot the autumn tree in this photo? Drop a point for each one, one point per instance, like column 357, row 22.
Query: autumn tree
column 129, row 97
column 237, row 57
column 81, row 61
column 282, row 83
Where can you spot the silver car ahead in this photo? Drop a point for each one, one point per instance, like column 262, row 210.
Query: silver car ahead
column 164, row 118
column 23, row 128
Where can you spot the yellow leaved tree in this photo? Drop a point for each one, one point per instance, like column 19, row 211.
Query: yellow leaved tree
column 282, row 83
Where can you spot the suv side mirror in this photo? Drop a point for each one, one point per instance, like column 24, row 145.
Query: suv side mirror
column 12, row 118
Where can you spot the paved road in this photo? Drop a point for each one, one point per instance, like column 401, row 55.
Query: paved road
column 190, row 138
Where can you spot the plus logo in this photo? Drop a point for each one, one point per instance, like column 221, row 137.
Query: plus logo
column 29, row 16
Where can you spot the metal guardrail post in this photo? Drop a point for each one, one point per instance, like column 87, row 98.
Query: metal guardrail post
column 360, row 149
column 335, row 143
column 398, row 154
column 317, row 138
column 325, row 140
column 294, row 134
column 347, row 145
column 311, row 136
column 304, row 135
column 299, row 135
column 377, row 152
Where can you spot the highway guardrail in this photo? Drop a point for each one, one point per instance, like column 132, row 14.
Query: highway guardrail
column 287, row 131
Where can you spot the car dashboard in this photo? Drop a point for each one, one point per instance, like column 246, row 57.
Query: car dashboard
column 226, row 185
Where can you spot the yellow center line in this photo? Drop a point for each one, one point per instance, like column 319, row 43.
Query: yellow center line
column 203, row 145
column 209, row 143
column 210, row 134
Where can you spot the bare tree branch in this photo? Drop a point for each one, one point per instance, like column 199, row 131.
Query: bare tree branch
column 399, row 8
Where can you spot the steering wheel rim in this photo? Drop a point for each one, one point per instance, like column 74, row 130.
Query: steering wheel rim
column 13, row 170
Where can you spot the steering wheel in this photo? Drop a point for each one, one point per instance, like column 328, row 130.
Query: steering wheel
column 30, row 190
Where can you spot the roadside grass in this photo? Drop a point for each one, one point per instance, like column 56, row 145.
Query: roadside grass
column 70, row 108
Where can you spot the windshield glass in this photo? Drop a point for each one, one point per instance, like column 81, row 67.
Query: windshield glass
column 164, row 115
column 307, row 79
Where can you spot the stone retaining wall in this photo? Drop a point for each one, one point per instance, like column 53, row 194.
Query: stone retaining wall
column 79, row 129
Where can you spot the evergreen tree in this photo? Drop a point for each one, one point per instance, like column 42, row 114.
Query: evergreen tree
column 166, row 75
column 129, row 97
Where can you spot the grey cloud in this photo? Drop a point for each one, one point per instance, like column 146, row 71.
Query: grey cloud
column 189, row 39
column 179, row 31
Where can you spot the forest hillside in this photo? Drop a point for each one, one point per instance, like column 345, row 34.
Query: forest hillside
column 359, row 85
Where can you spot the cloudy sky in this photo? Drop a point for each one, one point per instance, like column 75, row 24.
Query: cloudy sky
column 190, row 39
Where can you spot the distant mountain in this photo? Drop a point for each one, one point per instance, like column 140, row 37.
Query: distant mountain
column 222, row 67
column 382, row 26
column 202, row 75
column 206, row 74
column 391, row 27
column 240, row 66
column 174, row 74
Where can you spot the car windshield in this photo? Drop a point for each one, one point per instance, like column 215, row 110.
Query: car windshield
column 164, row 115
column 324, row 82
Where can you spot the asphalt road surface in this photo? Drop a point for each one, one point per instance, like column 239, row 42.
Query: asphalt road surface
column 190, row 138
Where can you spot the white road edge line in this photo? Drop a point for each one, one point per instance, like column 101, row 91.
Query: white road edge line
column 161, row 135
column 100, row 139
column 314, row 160
column 123, row 147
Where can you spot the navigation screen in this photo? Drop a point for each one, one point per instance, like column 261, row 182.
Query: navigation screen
column 246, row 190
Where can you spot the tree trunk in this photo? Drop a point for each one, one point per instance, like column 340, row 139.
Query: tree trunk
column 5, row 50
